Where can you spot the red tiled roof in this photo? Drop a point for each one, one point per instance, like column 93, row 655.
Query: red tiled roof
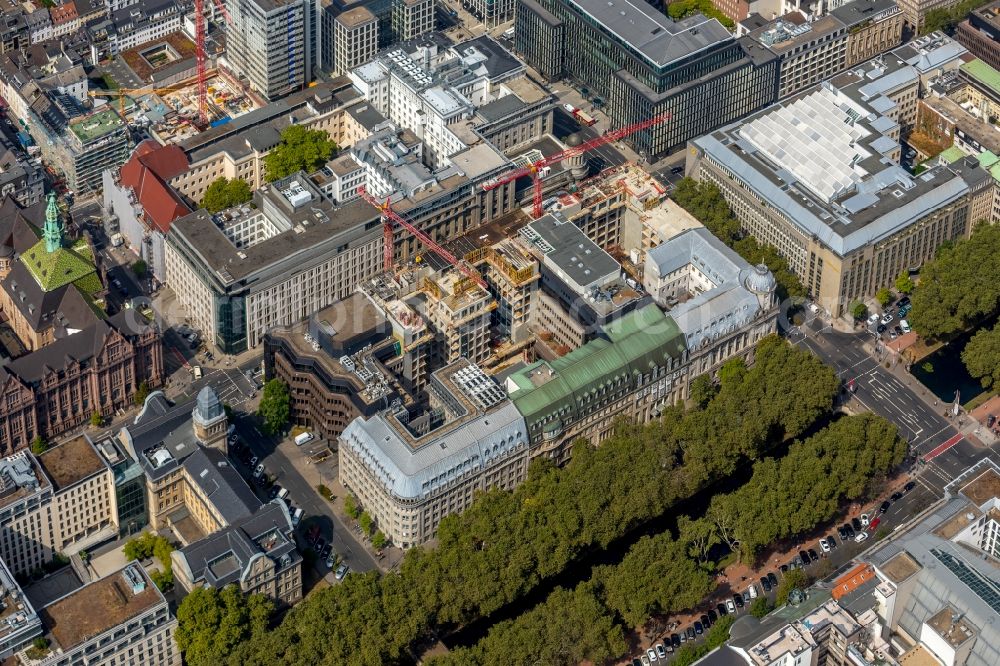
column 146, row 173
column 851, row 580
column 63, row 13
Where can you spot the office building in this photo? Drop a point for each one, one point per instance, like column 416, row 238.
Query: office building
column 122, row 618
column 242, row 271
column 257, row 553
column 413, row 18
column 273, row 43
column 641, row 64
column 817, row 177
column 813, row 51
column 59, row 502
column 355, row 39
column 190, row 485
column 143, row 22
column 492, row 12
column 980, row 33
column 337, row 365
column 410, row 470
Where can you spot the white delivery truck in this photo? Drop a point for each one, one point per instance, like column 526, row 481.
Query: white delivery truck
column 303, row 438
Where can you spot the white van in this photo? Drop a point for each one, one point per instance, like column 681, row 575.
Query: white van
column 296, row 517
column 283, row 493
column 303, row 438
column 508, row 33
column 196, row 371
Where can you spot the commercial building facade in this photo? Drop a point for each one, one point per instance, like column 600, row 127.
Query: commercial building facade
column 409, row 471
column 692, row 69
column 851, row 220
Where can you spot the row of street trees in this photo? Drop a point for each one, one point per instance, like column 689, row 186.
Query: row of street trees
column 661, row 575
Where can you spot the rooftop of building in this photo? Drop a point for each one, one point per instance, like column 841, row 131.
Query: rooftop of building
column 100, row 606
column 224, row 556
column 989, row 13
column 633, row 342
column 900, row 567
column 832, row 173
column 792, row 30
column 954, row 575
column 971, row 128
column 930, row 52
column 984, row 487
column 488, row 53
column 919, row 656
column 71, row 462
column 19, row 477
column 96, row 125
column 952, row 627
column 858, row 11
column 221, row 484
column 303, row 230
column 413, row 458
column 17, row 613
column 979, row 71
column 660, row 40
column 564, row 247
column 355, row 17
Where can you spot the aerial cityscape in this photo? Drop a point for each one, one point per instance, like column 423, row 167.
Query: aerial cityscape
column 500, row 332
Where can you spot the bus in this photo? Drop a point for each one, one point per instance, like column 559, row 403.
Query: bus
column 584, row 118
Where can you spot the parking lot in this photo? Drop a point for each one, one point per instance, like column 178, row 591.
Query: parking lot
column 891, row 323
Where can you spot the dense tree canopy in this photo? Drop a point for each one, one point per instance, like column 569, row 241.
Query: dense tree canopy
column 301, row 149
column 960, row 286
column 506, row 543
column 274, row 408
column 211, row 623
column 683, row 8
column 793, row 495
column 947, row 17
column 981, row 357
column 705, row 202
column 223, row 193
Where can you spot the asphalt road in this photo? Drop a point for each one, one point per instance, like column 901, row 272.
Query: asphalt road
column 905, row 403
column 278, row 463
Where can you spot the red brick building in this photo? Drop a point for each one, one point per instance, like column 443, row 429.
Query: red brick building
column 57, row 388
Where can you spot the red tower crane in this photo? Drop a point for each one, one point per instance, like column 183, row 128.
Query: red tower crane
column 534, row 168
column 389, row 216
column 199, row 30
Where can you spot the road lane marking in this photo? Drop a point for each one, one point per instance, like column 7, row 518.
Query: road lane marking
column 944, row 447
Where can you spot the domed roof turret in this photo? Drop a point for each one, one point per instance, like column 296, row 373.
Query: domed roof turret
column 759, row 280
column 573, row 140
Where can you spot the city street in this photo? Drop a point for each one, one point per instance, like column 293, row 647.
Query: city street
column 896, row 396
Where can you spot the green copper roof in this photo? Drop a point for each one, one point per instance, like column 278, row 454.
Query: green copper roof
column 53, row 270
column 983, row 73
column 951, row 155
column 637, row 343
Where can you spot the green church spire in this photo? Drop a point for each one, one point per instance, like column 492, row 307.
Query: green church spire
column 53, row 226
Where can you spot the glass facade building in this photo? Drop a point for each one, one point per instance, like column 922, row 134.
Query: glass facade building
column 640, row 63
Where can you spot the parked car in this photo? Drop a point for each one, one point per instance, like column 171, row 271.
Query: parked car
column 813, row 555
column 705, row 622
column 783, row 569
column 896, row 496
column 738, row 600
column 651, row 655
column 746, row 596
column 842, row 531
column 690, row 633
column 765, row 584
column 904, row 326
column 881, row 329
column 909, row 486
column 645, row 660
column 712, row 616
column 675, row 641
column 824, row 546
column 873, row 318
column 341, row 572
column 731, row 606
column 885, row 506
column 722, row 609
column 804, row 556
column 258, row 471
column 861, row 537
column 319, row 545
column 773, row 579
column 865, row 519
column 698, row 629
column 253, row 461
column 330, row 559
column 874, row 525
column 903, row 302
column 660, row 651
column 831, row 542
column 886, row 318
column 637, row 662
column 897, row 330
